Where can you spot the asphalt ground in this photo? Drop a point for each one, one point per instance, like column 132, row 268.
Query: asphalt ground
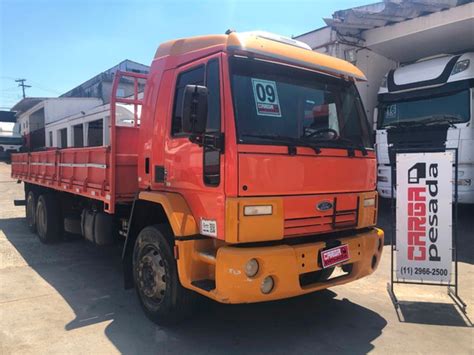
column 68, row 298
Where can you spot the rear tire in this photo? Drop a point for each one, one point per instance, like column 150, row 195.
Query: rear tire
column 31, row 211
column 49, row 223
column 155, row 274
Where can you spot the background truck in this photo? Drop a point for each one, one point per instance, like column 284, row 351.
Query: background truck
column 10, row 139
column 428, row 105
column 247, row 175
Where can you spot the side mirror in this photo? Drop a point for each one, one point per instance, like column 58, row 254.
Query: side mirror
column 194, row 117
column 375, row 117
column 374, row 126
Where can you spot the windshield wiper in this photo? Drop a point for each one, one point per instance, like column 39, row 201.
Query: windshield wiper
column 314, row 144
column 427, row 120
column 353, row 145
column 449, row 119
column 341, row 142
column 290, row 142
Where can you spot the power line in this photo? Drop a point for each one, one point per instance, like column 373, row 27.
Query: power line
column 23, row 85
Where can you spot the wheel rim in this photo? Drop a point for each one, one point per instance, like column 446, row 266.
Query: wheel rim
column 151, row 276
column 41, row 219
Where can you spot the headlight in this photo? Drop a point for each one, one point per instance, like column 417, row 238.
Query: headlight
column 251, row 268
column 460, row 66
column 258, row 210
column 369, row 202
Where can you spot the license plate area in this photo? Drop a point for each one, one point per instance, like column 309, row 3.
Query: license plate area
column 334, row 256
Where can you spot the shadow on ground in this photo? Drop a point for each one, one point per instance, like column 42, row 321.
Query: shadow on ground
column 90, row 281
column 432, row 313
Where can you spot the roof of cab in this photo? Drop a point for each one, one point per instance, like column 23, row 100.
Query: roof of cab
column 265, row 45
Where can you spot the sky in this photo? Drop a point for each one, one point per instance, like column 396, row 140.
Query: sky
column 58, row 44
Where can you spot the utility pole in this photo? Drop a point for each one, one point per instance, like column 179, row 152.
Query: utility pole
column 21, row 82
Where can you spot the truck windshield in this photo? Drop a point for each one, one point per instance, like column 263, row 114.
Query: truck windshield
column 448, row 108
column 275, row 103
column 8, row 140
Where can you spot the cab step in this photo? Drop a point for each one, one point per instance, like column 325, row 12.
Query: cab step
column 206, row 285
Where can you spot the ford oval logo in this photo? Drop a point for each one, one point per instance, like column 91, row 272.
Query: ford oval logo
column 324, row 206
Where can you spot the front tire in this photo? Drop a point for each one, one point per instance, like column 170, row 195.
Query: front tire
column 155, row 274
column 31, row 211
column 49, row 224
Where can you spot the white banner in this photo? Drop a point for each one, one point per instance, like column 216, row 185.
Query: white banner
column 424, row 216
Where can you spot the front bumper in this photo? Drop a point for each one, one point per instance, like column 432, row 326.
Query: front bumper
column 286, row 263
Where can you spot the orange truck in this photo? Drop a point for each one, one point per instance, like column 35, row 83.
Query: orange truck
column 247, row 175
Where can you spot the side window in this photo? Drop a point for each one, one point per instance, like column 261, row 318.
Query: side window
column 214, row 101
column 191, row 77
column 212, row 157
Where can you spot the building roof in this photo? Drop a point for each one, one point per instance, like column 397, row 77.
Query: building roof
column 25, row 104
column 265, row 45
column 357, row 19
column 106, row 75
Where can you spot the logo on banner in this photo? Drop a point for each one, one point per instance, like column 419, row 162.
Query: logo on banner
column 424, row 216
column 423, row 213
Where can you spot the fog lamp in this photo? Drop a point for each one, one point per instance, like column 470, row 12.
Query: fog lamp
column 263, row 210
column 251, row 268
column 369, row 202
column 267, row 285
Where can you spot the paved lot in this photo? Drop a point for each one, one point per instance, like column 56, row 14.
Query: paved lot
column 68, row 298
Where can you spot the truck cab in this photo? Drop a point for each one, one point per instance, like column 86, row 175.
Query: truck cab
column 428, row 105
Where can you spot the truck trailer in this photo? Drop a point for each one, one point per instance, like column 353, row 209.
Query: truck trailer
column 248, row 175
column 428, row 106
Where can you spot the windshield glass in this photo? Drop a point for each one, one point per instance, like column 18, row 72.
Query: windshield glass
column 11, row 140
column 453, row 107
column 278, row 101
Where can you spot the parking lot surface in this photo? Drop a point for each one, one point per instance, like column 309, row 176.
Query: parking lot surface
column 68, row 298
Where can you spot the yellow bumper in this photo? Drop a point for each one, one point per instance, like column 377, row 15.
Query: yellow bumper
column 285, row 263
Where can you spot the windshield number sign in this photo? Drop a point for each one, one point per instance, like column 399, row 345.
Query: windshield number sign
column 391, row 111
column 266, row 98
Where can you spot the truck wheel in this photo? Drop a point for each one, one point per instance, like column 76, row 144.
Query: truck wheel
column 48, row 219
column 156, row 279
column 31, row 211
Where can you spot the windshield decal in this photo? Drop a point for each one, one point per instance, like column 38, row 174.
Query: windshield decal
column 266, row 98
column 391, row 111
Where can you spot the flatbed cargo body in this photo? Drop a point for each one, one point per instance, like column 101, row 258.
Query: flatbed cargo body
column 85, row 171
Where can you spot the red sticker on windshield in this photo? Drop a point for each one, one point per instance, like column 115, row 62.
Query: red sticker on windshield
column 266, row 98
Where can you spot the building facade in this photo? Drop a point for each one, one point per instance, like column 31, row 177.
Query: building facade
column 382, row 36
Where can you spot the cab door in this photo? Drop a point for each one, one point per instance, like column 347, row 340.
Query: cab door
column 193, row 171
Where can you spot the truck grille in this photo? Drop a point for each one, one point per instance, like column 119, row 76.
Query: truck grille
column 335, row 219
